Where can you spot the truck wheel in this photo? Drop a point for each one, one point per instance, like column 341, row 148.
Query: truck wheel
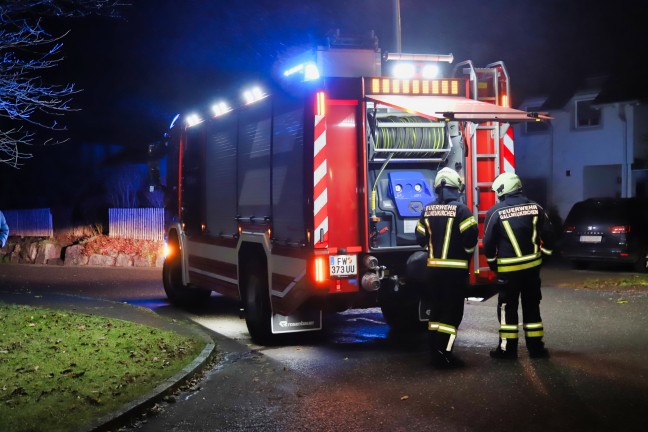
column 178, row 293
column 401, row 312
column 258, row 313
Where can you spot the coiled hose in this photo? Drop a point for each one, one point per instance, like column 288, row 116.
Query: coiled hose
column 404, row 138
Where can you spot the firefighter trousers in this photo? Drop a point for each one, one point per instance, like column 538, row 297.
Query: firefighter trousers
column 520, row 287
column 445, row 297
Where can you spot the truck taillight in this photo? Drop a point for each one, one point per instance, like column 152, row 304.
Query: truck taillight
column 320, row 269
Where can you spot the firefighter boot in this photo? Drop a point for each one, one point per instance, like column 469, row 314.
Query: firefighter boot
column 445, row 360
column 510, row 353
column 536, row 348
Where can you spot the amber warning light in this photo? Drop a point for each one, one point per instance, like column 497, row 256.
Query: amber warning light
column 428, row 87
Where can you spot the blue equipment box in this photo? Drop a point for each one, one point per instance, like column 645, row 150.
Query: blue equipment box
column 410, row 191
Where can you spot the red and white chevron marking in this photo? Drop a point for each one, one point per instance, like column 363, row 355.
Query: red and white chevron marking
column 320, row 192
column 508, row 152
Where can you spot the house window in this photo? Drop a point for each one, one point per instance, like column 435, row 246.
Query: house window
column 586, row 114
column 536, row 126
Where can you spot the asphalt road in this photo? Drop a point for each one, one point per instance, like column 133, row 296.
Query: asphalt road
column 357, row 376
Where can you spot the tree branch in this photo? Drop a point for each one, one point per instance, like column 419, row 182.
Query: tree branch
column 26, row 51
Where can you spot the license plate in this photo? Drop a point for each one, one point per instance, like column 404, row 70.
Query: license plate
column 590, row 239
column 343, row 265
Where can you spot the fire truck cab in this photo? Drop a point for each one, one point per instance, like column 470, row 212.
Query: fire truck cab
column 305, row 199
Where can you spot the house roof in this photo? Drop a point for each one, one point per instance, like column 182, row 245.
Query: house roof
column 623, row 83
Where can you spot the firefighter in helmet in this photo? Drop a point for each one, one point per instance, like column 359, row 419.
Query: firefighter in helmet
column 516, row 235
column 448, row 230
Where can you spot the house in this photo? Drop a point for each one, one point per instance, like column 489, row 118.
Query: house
column 596, row 146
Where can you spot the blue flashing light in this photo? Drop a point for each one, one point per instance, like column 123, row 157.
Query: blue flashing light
column 173, row 122
column 293, row 70
column 309, row 71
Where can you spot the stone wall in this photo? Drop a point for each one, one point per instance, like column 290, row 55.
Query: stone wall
column 50, row 252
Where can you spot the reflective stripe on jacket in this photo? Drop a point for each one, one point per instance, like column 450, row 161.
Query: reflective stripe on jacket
column 517, row 232
column 449, row 230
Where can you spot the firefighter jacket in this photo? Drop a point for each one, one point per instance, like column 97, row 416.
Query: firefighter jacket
column 449, row 230
column 517, row 232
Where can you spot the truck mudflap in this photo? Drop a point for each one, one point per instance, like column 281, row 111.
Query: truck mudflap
column 299, row 321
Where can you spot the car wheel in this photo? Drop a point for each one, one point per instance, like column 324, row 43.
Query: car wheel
column 580, row 265
column 641, row 265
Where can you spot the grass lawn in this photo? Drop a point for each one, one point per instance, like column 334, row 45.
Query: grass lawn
column 630, row 283
column 60, row 371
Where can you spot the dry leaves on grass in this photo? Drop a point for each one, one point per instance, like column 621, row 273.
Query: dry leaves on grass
column 632, row 283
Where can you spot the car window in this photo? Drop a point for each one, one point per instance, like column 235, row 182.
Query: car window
column 608, row 211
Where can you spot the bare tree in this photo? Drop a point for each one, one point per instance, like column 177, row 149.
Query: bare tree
column 123, row 185
column 29, row 105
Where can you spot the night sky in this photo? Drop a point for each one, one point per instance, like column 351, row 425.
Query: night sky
column 167, row 56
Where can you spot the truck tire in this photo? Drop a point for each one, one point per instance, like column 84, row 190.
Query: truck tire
column 258, row 312
column 401, row 311
column 400, row 304
column 179, row 294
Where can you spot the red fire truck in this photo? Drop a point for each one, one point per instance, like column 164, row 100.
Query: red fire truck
column 305, row 200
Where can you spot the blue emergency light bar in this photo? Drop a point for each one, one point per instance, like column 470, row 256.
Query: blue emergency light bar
column 308, row 71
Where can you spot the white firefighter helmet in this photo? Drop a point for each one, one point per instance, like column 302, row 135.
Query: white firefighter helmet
column 507, row 183
column 448, row 177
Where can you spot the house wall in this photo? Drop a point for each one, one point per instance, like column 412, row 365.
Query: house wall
column 579, row 163
column 641, row 133
column 533, row 163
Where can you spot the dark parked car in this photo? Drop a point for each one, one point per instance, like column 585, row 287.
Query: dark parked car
column 607, row 230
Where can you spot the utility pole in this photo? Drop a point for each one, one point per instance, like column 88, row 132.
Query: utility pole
column 397, row 25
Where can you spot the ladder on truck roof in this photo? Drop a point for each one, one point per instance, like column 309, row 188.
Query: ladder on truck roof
column 490, row 85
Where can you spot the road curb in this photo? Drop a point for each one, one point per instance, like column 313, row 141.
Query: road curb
column 121, row 417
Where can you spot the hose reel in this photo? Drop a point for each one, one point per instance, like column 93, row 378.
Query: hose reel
column 409, row 137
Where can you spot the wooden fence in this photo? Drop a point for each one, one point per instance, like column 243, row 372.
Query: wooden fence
column 30, row 223
column 136, row 223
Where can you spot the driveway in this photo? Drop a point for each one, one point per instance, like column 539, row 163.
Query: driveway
column 358, row 376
